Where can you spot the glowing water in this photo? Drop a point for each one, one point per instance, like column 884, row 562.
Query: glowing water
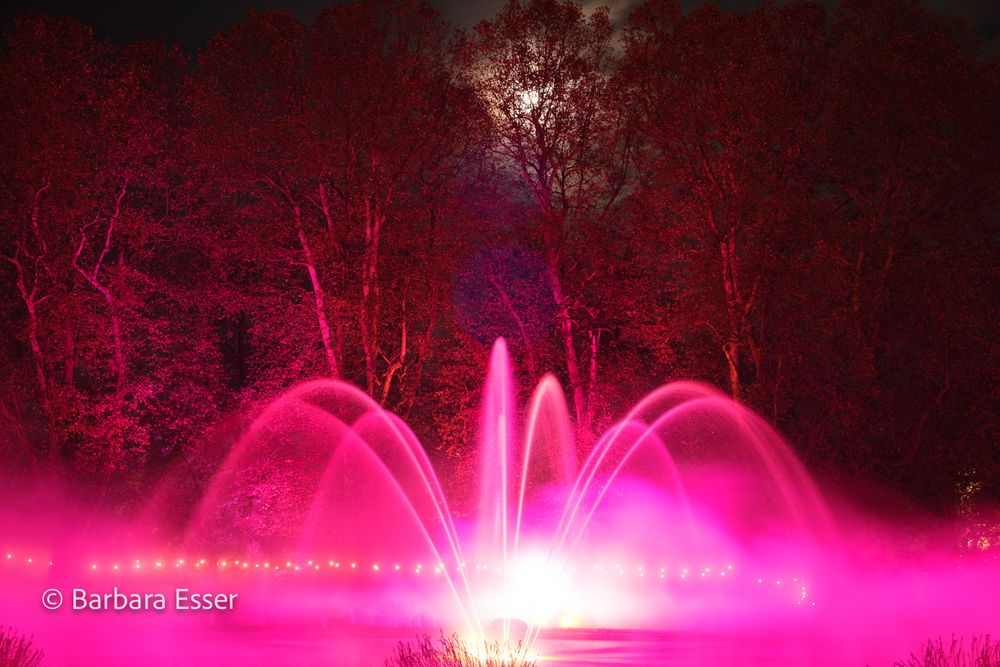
column 686, row 479
column 690, row 515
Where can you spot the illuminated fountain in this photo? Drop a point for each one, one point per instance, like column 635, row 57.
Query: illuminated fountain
column 688, row 485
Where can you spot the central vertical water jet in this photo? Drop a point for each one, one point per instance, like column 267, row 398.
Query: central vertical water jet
column 495, row 455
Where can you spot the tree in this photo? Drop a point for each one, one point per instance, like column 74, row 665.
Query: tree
column 541, row 71
column 46, row 61
column 392, row 146
column 250, row 81
column 912, row 191
column 86, row 192
column 725, row 103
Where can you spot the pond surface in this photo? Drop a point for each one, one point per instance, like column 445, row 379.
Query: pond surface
column 314, row 647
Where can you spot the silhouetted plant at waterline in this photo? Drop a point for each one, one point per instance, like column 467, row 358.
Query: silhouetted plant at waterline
column 450, row 651
column 16, row 650
column 981, row 652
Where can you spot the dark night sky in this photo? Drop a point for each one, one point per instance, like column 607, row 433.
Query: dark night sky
column 191, row 23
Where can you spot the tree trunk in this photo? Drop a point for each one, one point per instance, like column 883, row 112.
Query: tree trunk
column 412, row 388
column 595, row 346
column 116, row 331
column 398, row 365
column 572, row 361
column 509, row 305
column 369, row 293
column 92, row 276
column 31, row 299
column 318, row 294
column 731, row 348
column 55, row 465
column 116, row 337
column 734, row 312
column 368, row 344
column 36, row 354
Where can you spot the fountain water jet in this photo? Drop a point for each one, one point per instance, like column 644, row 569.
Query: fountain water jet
column 707, row 469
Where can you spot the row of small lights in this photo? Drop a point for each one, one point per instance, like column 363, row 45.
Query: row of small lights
column 237, row 565
column 641, row 571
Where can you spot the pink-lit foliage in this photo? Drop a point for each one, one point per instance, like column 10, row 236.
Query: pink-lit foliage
column 182, row 242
